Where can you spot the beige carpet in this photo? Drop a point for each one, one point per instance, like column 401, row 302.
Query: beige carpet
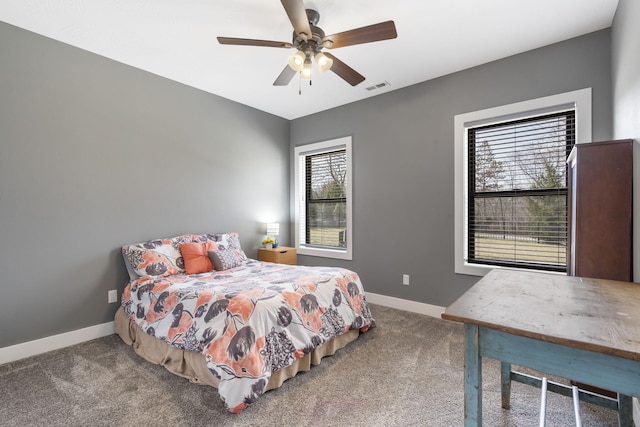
column 406, row 372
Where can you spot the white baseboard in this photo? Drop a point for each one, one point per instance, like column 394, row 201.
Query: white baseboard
column 32, row 348
column 406, row 305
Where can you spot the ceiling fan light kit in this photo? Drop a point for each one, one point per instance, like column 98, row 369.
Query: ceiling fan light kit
column 306, row 69
column 324, row 62
column 309, row 40
column 297, row 61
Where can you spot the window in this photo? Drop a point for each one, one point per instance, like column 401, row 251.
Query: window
column 517, row 189
column 511, row 184
column 323, row 199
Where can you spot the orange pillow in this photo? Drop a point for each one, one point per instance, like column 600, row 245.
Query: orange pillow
column 196, row 258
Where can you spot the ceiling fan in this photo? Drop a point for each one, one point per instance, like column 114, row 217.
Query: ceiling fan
column 310, row 40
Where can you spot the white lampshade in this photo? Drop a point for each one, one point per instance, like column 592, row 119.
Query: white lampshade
column 273, row 229
column 324, row 62
column 296, row 62
column 306, row 71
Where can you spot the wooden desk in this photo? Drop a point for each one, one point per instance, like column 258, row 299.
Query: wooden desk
column 587, row 330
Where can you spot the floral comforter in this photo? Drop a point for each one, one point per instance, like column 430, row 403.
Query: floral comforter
column 251, row 320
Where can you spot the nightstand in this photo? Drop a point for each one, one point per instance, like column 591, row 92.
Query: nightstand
column 280, row 255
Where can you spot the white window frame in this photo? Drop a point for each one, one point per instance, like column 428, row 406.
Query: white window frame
column 299, row 153
column 580, row 100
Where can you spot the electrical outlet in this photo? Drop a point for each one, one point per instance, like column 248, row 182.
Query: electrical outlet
column 405, row 279
column 112, row 296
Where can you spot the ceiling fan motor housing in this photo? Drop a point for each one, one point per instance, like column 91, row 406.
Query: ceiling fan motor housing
column 313, row 16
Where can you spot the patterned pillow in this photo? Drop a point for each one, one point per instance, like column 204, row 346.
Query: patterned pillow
column 155, row 258
column 225, row 259
column 223, row 241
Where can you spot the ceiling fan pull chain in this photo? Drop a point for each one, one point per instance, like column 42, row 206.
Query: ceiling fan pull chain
column 300, row 84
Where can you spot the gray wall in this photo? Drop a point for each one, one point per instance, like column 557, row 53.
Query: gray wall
column 403, row 151
column 625, row 65
column 95, row 154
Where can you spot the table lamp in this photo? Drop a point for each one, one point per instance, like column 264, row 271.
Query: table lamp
column 273, row 230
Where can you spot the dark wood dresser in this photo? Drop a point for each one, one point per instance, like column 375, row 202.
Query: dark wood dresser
column 600, row 210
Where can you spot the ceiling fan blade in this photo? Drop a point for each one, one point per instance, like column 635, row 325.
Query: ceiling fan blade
column 253, row 42
column 347, row 73
column 297, row 15
column 285, row 76
column 371, row 33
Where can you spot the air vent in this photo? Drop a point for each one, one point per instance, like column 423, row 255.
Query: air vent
column 379, row 85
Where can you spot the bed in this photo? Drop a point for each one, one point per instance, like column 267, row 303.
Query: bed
column 197, row 305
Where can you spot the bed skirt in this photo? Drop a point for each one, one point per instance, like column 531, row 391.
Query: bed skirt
column 193, row 366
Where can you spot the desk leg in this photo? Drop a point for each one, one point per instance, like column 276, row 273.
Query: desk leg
column 472, row 378
column 505, row 379
column 625, row 411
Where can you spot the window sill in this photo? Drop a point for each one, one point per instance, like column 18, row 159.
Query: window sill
column 325, row 253
column 482, row 269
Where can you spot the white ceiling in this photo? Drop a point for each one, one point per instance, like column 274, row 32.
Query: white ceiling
column 176, row 39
